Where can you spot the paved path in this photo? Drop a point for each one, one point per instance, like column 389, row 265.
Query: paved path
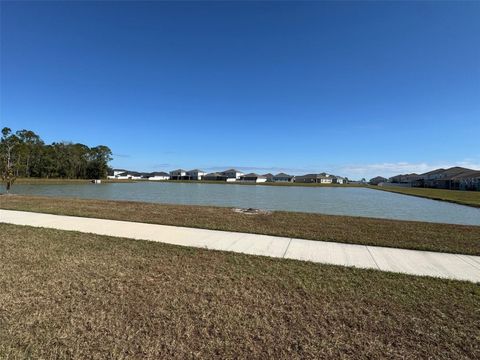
column 452, row 266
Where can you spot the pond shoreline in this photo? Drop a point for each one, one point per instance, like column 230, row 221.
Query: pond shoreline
column 462, row 239
column 343, row 201
column 467, row 198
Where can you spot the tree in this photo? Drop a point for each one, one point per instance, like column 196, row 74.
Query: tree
column 8, row 152
column 99, row 157
column 28, row 148
column 25, row 154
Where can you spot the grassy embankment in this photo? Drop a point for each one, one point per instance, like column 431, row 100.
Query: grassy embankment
column 355, row 230
column 57, row 181
column 470, row 198
column 77, row 296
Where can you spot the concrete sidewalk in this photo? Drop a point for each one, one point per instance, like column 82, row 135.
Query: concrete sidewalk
column 451, row 266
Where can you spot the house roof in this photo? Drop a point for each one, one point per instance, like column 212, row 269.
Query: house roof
column 450, row 172
column 378, row 178
column 253, row 175
column 214, row 174
column 268, row 175
column 195, row 170
column 178, row 170
column 159, row 173
column 283, row 175
column 437, row 171
column 309, row 175
column 467, row 174
column 231, row 170
column 456, row 171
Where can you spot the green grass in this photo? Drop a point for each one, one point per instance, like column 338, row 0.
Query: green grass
column 355, row 230
column 470, row 198
column 83, row 296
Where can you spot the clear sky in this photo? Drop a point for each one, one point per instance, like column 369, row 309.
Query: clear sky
column 355, row 89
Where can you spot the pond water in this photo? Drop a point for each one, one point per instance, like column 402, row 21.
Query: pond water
column 325, row 200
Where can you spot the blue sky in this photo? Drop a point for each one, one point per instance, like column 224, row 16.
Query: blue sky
column 357, row 89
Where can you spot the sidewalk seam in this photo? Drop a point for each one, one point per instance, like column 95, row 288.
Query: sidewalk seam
column 285, row 253
column 373, row 258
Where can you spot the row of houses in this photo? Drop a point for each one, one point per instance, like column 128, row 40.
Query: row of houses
column 229, row 175
column 454, row 178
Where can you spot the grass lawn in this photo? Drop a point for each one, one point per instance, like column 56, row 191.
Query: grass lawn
column 84, row 296
column 355, row 230
column 470, row 198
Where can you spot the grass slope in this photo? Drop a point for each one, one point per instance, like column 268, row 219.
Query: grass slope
column 355, row 230
column 470, row 198
column 84, row 296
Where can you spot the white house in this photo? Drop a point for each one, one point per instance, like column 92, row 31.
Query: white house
column 160, row 176
column 196, row 174
column 178, row 174
column 252, row 177
column 339, row 180
column 232, row 174
column 119, row 174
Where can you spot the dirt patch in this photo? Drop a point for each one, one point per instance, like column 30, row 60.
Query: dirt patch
column 251, row 211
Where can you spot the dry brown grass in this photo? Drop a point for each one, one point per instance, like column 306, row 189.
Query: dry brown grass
column 355, row 230
column 83, row 296
column 470, row 198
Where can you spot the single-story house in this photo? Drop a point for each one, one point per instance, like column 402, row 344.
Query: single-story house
column 377, row 180
column 195, row 174
column 322, row 178
column 269, row 177
column 252, row 177
column 307, row 178
column 178, row 174
column 282, row 177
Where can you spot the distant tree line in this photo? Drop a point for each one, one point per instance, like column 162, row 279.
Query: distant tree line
column 25, row 154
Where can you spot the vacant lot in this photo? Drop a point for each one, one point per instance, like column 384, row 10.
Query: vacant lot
column 356, row 230
column 73, row 295
column 470, row 198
